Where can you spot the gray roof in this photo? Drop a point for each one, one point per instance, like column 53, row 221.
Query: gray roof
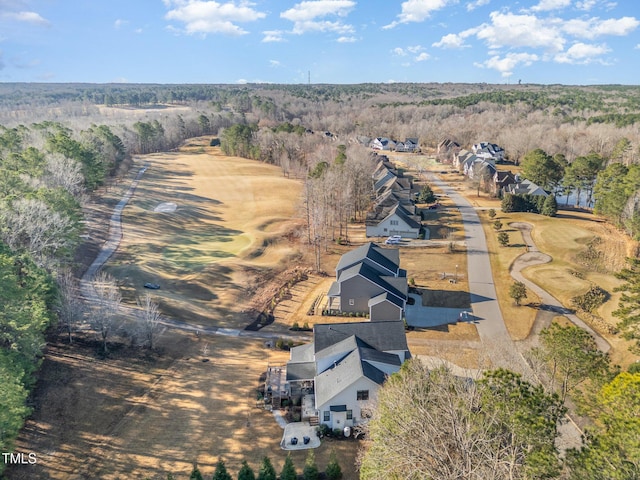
column 301, row 371
column 372, row 275
column 380, row 256
column 302, row 353
column 385, row 336
column 386, row 296
column 348, row 344
column 334, row 380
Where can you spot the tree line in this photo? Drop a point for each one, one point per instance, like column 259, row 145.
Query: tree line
column 431, row 424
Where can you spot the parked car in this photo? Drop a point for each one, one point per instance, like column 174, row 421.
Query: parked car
column 392, row 241
column 152, row 286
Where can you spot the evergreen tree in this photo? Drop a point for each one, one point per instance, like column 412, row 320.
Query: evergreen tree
column 266, row 472
column 503, row 238
column 195, row 474
column 550, row 206
column 310, row 471
column 221, row 472
column 288, row 470
column 246, row 473
column 333, row 471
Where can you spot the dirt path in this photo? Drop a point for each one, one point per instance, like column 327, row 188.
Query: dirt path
column 549, row 306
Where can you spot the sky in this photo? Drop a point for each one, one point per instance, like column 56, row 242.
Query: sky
column 571, row 42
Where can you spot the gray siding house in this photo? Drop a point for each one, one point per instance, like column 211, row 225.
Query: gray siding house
column 346, row 364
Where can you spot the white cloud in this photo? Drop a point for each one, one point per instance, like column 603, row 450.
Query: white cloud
column 274, row 63
column 27, row 17
column 422, row 57
column 309, row 16
column 273, row 36
column 594, row 27
column 418, row 11
column 119, row 23
column 451, row 40
column 471, row 6
column 201, row 16
column 347, row 40
column 582, row 53
column 546, row 5
column 508, row 63
column 586, row 4
column 637, row 47
column 512, row 31
column 400, row 52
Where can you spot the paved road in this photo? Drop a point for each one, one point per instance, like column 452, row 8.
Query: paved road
column 114, row 238
column 484, row 302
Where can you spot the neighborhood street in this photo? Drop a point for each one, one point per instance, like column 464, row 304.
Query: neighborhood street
column 499, row 346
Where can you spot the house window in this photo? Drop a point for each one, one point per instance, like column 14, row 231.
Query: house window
column 362, row 395
column 393, row 222
column 385, row 229
column 349, row 414
column 327, row 416
column 352, row 301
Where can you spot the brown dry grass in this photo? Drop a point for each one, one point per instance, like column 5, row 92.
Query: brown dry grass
column 135, row 415
column 233, row 226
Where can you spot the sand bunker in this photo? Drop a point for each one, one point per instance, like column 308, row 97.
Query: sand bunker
column 166, row 207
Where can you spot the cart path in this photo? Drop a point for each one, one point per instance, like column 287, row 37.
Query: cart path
column 547, row 301
column 110, row 246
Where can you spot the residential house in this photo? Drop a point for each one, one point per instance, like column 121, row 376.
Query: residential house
column 525, row 187
column 345, row 365
column 447, row 150
column 382, row 143
column 500, row 181
column 488, row 151
column 460, row 158
column 393, row 220
column 409, row 145
column 370, row 281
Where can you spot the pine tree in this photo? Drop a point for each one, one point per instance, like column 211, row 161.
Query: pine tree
column 550, row 206
column 221, row 472
column 195, row 474
column 266, row 472
column 333, row 471
column 246, row 473
column 310, row 471
column 288, row 470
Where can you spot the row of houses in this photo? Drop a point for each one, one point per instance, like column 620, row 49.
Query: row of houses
column 393, row 211
column 479, row 165
column 383, row 143
column 342, row 369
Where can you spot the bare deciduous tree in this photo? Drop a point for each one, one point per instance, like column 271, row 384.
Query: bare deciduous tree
column 107, row 306
column 149, row 320
column 71, row 307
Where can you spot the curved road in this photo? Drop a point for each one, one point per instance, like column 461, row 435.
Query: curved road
column 114, row 238
column 534, row 257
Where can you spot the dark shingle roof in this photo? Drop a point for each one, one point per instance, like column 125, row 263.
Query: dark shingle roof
column 301, row 371
column 372, row 275
column 384, row 336
column 367, row 251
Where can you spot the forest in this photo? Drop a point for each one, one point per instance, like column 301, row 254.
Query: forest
column 61, row 143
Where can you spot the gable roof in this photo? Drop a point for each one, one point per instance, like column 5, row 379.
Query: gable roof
column 364, row 270
column 385, row 336
column 387, row 259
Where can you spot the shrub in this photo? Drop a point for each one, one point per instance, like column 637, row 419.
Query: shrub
column 497, row 224
column 492, row 213
column 590, row 300
column 503, row 238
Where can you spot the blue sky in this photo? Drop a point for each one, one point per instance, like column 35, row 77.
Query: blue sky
column 338, row 41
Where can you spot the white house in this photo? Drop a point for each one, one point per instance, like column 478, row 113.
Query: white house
column 382, row 143
column 395, row 220
column 347, row 363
